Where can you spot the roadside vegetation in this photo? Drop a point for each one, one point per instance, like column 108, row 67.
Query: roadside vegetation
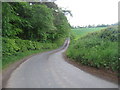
column 15, row 49
column 29, row 28
column 98, row 49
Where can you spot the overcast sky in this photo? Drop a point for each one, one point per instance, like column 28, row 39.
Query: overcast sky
column 91, row 12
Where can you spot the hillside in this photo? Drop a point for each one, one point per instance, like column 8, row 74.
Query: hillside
column 98, row 49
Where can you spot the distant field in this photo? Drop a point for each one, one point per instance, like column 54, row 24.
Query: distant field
column 83, row 31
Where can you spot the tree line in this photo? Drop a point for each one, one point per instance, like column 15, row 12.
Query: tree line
column 43, row 22
column 95, row 26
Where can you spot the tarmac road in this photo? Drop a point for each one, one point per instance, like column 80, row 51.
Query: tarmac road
column 50, row 70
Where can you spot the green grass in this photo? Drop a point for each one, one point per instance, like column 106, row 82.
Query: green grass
column 84, row 31
column 98, row 49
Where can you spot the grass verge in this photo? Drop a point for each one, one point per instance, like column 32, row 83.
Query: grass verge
column 98, row 49
column 8, row 60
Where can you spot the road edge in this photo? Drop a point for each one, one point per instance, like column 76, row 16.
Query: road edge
column 6, row 73
column 100, row 73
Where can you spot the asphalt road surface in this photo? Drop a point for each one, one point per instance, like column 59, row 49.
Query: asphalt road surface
column 50, row 70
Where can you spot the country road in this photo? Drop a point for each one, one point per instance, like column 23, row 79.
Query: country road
column 50, row 70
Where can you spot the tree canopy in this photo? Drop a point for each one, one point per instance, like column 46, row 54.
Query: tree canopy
column 44, row 22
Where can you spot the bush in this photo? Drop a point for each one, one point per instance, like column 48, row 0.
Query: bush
column 9, row 46
column 12, row 46
column 16, row 49
column 99, row 49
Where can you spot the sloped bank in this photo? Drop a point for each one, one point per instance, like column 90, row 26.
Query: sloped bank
column 98, row 50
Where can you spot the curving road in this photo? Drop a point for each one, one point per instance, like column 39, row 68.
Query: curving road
column 49, row 70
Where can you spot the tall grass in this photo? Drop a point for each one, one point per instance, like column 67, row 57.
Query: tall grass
column 98, row 49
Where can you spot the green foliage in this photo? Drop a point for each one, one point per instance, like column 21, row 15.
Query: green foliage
column 62, row 25
column 44, row 25
column 13, row 46
column 43, row 22
column 16, row 49
column 9, row 17
column 98, row 49
column 41, row 26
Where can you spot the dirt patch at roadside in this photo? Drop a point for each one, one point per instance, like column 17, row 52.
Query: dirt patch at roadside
column 101, row 73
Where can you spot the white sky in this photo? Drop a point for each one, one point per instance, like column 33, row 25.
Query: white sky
column 91, row 12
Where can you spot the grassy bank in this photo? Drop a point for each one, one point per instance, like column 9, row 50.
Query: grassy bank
column 17, row 49
column 98, row 49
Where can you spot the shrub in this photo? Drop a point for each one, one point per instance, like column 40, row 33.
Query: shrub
column 12, row 46
column 99, row 49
